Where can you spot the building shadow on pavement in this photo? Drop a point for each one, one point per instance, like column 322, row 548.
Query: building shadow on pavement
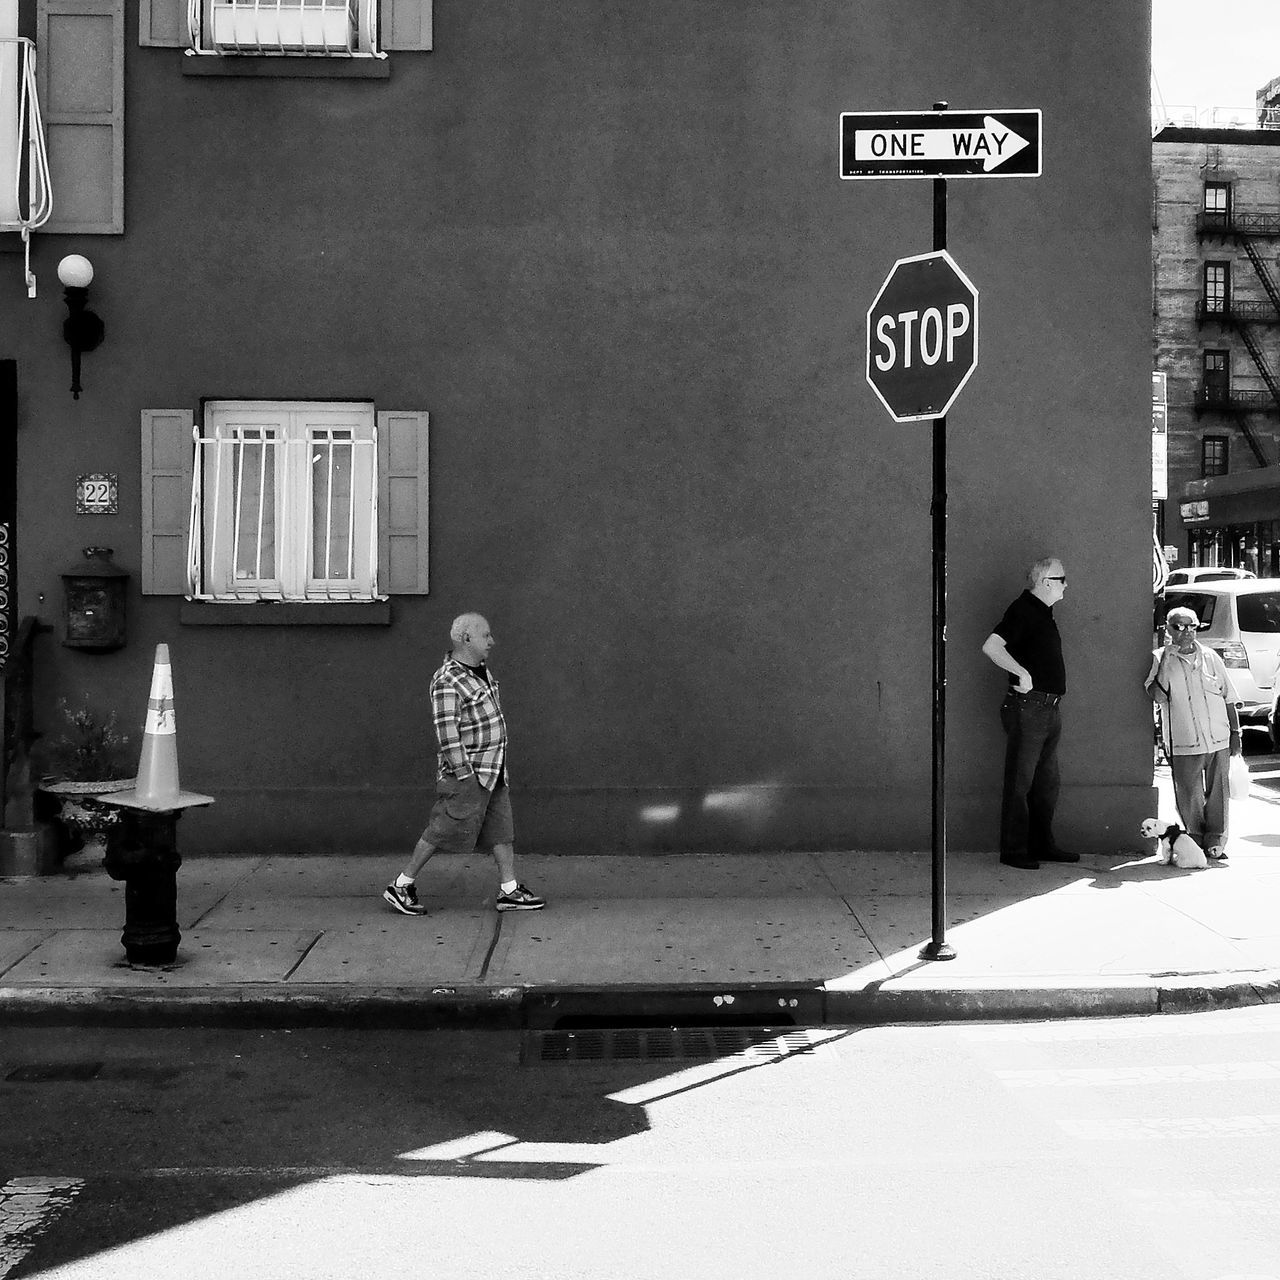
column 170, row 1129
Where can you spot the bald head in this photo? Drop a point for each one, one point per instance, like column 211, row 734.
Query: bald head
column 1045, row 565
column 465, row 624
column 471, row 638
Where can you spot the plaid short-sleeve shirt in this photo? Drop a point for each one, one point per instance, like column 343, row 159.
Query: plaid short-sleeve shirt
column 469, row 725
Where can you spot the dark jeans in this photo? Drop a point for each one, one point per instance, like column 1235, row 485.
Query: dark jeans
column 1030, row 776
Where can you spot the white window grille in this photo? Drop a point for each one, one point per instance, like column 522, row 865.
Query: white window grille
column 26, row 196
column 284, row 503
column 284, row 28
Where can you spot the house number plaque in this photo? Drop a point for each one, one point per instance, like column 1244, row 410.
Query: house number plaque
column 97, row 495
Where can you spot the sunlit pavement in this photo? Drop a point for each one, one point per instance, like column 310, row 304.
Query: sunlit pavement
column 1134, row 1148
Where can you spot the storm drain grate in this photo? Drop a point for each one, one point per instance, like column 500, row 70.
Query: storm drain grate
column 48, row 1072
column 665, row 1044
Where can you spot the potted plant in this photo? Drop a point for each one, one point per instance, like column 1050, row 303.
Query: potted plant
column 89, row 758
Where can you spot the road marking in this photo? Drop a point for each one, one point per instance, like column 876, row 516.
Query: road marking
column 1138, row 1128
column 29, row 1206
column 1087, row 1077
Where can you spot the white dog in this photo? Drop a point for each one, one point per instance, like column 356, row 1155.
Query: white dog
column 1174, row 845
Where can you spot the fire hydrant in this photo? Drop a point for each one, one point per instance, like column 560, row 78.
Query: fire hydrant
column 145, row 856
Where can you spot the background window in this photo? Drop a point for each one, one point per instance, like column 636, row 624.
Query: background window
column 1217, row 197
column 1213, row 456
column 1217, row 377
column 1217, row 287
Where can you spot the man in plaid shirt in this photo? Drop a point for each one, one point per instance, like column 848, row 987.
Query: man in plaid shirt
column 473, row 805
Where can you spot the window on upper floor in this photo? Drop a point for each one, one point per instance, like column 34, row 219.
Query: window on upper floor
column 351, row 30
column 285, row 27
column 303, row 501
column 1217, row 287
column 1217, row 197
column 1216, row 377
column 1213, row 456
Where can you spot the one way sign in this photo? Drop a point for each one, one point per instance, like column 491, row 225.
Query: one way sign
column 940, row 144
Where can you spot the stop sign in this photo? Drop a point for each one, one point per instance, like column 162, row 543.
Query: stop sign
column 922, row 336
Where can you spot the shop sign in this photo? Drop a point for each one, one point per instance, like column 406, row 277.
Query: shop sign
column 1194, row 512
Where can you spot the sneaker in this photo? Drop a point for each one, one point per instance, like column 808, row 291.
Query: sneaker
column 1216, row 853
column 520, row 899
column 404, row 897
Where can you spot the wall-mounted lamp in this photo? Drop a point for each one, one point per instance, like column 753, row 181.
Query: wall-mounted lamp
column 82, row 329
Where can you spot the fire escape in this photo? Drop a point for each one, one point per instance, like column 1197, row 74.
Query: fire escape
column 1246, row 317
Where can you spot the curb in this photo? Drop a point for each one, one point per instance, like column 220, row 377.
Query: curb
column 393, row 1008
column 1195, row 993
column 997, row 1003
column 551, row 1007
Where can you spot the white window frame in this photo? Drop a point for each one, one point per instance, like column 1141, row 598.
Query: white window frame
column 237, row 433
column 284, row 28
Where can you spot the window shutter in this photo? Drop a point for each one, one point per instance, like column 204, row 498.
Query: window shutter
column 167, row 467
column 405, row 25
column 402, row 504
column 80, row 65
column 162, row 23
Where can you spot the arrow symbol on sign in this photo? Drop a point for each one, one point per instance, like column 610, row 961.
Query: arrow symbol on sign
column 994, row 144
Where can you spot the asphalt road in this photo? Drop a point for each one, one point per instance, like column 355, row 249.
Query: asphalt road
column 1134, row 1148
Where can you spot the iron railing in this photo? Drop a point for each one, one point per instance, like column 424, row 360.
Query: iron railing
column 1222, row 222
column 1236, row 311
column 281, row 516
column 1234, row 401
column 284, row 28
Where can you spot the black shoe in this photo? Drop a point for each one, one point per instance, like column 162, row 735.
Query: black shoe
column 1025, row 864
column 1059, row 855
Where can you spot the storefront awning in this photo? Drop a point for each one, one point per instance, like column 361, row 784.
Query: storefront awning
column 1243, row 497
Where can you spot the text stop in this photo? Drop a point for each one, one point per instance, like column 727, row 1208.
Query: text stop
column 923, row 336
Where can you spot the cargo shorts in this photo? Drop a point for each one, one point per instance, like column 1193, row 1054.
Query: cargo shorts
column 465, row 816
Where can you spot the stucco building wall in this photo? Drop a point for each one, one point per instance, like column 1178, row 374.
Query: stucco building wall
column 605, row 245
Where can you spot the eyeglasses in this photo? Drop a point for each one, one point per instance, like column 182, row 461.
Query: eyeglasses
column 1055, row 577
column 1182, row 626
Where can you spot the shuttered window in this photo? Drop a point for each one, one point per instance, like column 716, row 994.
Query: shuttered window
column 304, row 502
column 402, row 25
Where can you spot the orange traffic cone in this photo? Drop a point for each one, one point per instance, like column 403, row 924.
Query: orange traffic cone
column 157, row 784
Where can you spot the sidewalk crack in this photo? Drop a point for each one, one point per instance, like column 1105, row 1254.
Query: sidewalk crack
column 302, row 957
column 493, row 943
column 231, row 888
column 44, row 937
column 848, row 906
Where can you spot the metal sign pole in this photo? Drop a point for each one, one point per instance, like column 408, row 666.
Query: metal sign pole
column 938, row 948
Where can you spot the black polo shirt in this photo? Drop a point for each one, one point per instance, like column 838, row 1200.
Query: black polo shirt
column 1031, row 636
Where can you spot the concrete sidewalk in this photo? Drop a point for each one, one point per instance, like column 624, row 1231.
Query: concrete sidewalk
column 793, row 937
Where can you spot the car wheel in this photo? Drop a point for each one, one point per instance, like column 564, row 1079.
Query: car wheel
column 1273, row 726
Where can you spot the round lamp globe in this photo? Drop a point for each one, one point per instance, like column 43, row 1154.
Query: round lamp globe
column 75, row 271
